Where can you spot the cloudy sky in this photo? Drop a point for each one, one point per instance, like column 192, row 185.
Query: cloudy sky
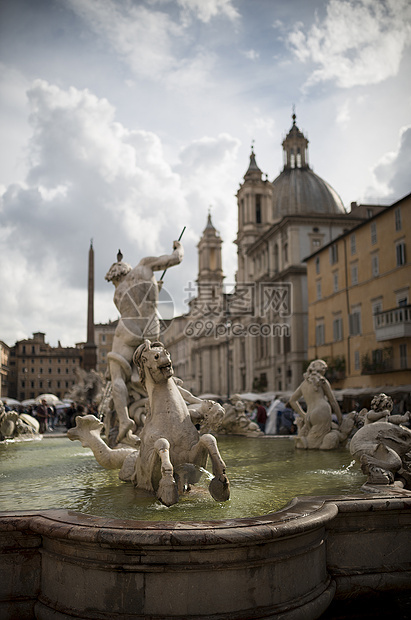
column 124, row 120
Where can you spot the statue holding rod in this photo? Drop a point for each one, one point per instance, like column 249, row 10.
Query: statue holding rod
column 136, row 298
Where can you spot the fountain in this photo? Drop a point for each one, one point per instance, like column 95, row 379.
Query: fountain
column 285, row 561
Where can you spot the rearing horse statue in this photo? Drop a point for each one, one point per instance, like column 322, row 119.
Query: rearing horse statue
column 172, row 451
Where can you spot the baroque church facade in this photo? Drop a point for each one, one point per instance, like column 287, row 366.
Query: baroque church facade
column 255, row 337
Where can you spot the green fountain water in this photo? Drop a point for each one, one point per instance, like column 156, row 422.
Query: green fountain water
column 265, row 474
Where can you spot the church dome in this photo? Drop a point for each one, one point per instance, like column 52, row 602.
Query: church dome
column 298, row 190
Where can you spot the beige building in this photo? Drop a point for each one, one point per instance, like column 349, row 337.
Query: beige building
column 103, row 338
column 252, row 334
column 4, row 368
column 36, row 368
column 359, row 301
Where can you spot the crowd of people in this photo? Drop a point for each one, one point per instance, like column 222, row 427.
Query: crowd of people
column 276, row 419
column 52, row 418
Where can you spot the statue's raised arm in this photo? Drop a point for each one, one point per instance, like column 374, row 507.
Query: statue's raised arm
column 158, row 263
column 136, row 298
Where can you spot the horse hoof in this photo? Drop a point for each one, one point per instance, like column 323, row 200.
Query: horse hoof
column 220, row 489
column 167, row 491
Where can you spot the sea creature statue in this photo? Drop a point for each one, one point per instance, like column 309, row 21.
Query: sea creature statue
column 382, row 446
column 236, row 421
column 13, row 425
column 172, row 451
column 316, row 428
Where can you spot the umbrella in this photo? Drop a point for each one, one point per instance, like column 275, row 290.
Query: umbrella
column 28, row 402
column 51, row 399
column 10, row 402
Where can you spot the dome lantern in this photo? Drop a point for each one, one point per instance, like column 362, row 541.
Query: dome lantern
column 295, row 147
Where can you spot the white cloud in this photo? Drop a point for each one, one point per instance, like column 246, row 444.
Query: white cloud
column 91, row 177
column 150, row 41
column 205, row 10
column 392, row 172
column 359, row 42
column 260, row 123
column 252, row 54
column 143, row 38
column 14, row 128
column 343, row 114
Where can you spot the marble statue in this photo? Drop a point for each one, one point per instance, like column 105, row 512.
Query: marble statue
column 14, row 425
column 236, row 421
column 136, row 298
column 172, row 450
column 382, row 446
column 316, row 428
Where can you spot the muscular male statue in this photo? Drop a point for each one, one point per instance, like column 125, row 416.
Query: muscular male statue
column 136, row 298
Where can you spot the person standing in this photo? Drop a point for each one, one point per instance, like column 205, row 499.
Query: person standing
column 42, row 415
column 261, row 415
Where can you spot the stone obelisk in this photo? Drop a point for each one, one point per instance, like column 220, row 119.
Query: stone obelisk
column 90, row 349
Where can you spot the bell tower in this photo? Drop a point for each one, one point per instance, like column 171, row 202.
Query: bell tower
column 254, row 201
column 210, row 272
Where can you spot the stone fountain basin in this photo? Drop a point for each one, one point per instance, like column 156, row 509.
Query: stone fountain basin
column 61, row 564
column 290, row 564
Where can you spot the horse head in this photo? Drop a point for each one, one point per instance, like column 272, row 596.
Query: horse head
column 153, row 358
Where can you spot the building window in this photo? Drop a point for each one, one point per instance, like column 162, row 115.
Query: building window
column 319, row 334
column 373, row 233
column 317, row 264
column 356, row 360
column 353, row 244
column 375, row 265
column 276, row 266
column 354, row 274
column 319, row 294
column 335, row 282
column 258, row 209
column 103, row 337
column 316, row 243
column 355, row 322
column 333, row 254
column 403, row 356
column 49, row 371
column 285, row 250
column 402, row 298
column 398, row 221
column 338, row 329
column 400, row 253
column 369, row 213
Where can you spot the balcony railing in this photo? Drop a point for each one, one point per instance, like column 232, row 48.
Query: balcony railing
column 395, row 323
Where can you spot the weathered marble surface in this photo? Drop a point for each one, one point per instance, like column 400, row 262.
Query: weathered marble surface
column 288, row 565
column 383, row 446
column 14, row 425
column 316, row 429
column 236, row 421
column 136, row 299
column 172, row 452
